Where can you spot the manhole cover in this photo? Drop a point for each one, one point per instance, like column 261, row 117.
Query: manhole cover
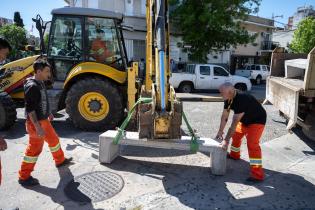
column 94, row 186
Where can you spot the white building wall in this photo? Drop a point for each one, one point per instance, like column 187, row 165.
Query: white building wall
column 129, row 7
column 93, row 4
column 129, row 48
column 220, row 57
column 284, row 38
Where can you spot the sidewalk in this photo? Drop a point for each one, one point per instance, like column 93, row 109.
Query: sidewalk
column 165, row 179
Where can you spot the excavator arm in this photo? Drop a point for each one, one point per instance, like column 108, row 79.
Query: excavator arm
column 163, row 117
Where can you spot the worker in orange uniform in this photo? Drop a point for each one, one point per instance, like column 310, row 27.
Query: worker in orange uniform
column 5, row 48
column 249, row 120
column 38, row 124
column 99, row 50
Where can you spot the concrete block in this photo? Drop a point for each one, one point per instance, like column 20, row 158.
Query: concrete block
column 218, row 161
column 108, row 151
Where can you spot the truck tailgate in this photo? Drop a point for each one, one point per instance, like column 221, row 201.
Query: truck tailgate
column 284, row 95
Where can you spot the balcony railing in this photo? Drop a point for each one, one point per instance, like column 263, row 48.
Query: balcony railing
column 269, row 45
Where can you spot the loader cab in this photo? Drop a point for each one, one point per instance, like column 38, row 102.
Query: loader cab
column 85, row 35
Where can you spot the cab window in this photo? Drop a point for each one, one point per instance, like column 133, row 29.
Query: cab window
column 66, row 38
column 205, row 70
column 218, row 71
column 103, row 44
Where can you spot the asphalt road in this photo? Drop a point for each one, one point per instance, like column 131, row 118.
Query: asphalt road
column 205, row 118
column 259, row 91
column 165, row 179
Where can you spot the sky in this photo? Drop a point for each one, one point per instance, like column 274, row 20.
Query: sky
column 286, row 8
column 30, row 8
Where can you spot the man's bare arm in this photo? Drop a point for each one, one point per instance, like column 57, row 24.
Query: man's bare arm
column 236, row 119
column 33, row 118
column 39, row 130
column 224, row 119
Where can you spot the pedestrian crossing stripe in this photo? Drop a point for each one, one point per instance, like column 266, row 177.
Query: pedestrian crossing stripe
column 30, row 159
column 55, row 148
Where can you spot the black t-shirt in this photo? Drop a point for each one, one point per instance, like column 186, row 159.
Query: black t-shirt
column 254, row 113
column 36, row 99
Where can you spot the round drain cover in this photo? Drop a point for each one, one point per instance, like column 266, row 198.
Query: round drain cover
column 94, row 186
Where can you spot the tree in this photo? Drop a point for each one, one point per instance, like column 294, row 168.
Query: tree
column 16, row 36
column 304, row 37
column 18, row 20
column 46, row 40
column 211, row 24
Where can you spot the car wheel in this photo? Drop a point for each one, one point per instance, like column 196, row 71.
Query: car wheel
column 186, row 88
column 258, row 80
column 241, row 87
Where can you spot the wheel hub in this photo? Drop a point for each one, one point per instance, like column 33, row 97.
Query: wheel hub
column 93, row 106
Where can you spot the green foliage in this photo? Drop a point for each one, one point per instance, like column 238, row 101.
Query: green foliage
column 46, row 40
column 18, row 20
column 211, row 24
column 304, row 36
column 16, row 36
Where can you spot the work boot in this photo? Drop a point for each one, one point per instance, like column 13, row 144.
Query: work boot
column 65, row 162
column 29, row 182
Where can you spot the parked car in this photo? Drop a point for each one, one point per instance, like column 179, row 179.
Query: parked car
column 255, row 72
column 206, row 77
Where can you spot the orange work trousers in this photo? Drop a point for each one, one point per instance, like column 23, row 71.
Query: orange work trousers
column 253, row 133
column 35, row 147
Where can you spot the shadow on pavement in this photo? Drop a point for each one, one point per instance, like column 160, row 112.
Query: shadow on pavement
column 306, row 140
column 196, row 188
column 15, row 132
column 58, row 196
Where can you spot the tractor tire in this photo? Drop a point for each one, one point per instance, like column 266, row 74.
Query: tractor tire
column 7, row 111
column 310, row 120
column 94, row 104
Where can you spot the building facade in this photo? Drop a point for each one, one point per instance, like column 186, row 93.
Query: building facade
column 285, row 36
column 259, row 51
column 301, row 13
column 5, row 21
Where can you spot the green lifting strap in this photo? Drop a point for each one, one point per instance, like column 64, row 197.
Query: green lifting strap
column 122, row 128
column 194, row 146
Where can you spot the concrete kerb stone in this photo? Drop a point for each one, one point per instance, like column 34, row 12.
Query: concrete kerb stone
column 108, row 151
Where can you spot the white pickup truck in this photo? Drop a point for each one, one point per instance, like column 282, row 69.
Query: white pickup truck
column 206, row 77
column 255, row 72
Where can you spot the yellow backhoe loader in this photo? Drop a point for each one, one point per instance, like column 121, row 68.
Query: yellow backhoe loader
column 91, row 77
